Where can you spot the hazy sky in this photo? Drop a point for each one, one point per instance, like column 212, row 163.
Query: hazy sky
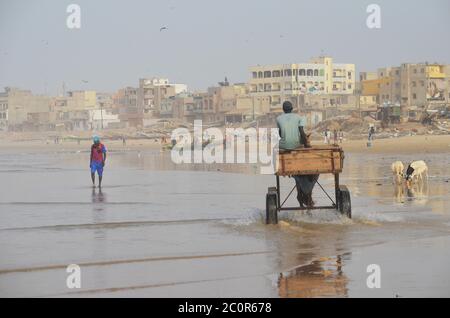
column 120, row 41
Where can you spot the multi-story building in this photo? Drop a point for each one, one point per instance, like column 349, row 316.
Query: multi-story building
column 184, row 108
column 23, row 110
column 289, row 81
column 104, row 100
column 420, row 85
column 125, row 103
column 152, row 91
column 219, row 104
column 72, row 111
column 425, row 85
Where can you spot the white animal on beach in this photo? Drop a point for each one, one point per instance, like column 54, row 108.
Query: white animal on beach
column 417, row 170
column 397, row 170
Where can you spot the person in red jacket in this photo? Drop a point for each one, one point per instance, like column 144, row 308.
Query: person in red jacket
column 98, row 159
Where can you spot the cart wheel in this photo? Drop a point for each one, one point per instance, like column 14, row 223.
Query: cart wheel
column 271, row 206
column 345, row 205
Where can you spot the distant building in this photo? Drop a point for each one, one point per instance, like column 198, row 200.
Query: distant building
column 152, row 91
column 21, row 110
column 366, row 76
column 104, row 100
column 125, row 104
column 72, row 111
column 289, row 81
column 103, row 119
column 417, row 86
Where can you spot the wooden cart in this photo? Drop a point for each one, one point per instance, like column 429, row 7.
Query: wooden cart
column 309, row 161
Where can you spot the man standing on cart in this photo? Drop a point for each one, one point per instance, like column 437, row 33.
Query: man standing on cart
column 290, row 126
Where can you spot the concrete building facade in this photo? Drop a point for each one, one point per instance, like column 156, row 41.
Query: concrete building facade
column 23, row 110
column 72, row 111
column 288, row 81
column 152, row 91
column 125, row 104
column 419, row 85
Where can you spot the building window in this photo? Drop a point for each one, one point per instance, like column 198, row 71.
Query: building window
column 316, row 72
column 255, row 74
column 309, row 72
column 349, row 75
column 414, row 96
column 302, row 72
column 260, row 74
column 276, row 74
column 267, row 74
column 415, row 71
column 288, row 72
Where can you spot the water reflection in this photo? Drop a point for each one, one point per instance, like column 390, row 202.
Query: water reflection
column 321, row 278
column 414, row 192
column 99, row 237
column 97, row 199
column 417, row 192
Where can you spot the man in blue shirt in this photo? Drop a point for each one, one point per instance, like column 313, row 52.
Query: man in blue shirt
column 292, row 136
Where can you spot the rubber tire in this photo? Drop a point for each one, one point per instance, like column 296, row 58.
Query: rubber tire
column 345, row 205
column 271, row 207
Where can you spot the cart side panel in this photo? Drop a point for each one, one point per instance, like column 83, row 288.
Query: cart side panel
column 310, row 161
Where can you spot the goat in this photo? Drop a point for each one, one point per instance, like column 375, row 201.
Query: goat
column 416, row 171
column 397, row 170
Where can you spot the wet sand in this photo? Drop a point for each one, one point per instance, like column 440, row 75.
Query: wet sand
column 158, row 230
column 418, row 144
column 402, row 145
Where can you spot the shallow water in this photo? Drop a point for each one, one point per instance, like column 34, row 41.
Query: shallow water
column 157, row 229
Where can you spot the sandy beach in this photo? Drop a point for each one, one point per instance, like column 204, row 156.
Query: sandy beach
column 402, row 145
column 157, row 230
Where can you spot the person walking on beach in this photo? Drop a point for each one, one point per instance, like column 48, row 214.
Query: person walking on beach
column 292, row 136
column 325, row 139
column 341, row 136
column 371, row 132
column 98, row 159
